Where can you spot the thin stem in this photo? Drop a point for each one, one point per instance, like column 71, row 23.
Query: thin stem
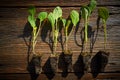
column 66, row 34
column 54, row 46
column 55, row 36
column 38, row 31
column 105, row 34
column 86, row 33
column 66, row 40
column 33, row 40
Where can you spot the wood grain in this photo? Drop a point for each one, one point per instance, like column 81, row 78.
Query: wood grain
column 51, row 3
column 71, row 76
column 13, row 33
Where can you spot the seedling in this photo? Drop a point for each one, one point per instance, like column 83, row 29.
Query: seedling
column 74, row 19
column 104, row 14
column 74, row 15
column 86, row 12
column 53, row 17
column 32, row 20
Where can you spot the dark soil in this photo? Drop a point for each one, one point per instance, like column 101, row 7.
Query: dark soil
column 53, row 63
column 86, row 62
column 37, row 64
column 68, row 60
column 65, row 63
column 98, row 62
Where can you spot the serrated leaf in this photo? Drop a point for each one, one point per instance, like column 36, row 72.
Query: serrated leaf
column 74, row 15
column 32, row 10
column 64, row 22
column 42, row 16
column 57, row 12
column 103, row 13
column 32, row 21
column 84, row 12
column 92, row 5
column 51, row 19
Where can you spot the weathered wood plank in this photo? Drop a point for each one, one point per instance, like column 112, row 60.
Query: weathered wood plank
column 13, row 50
column 22, row 13
column 12, row 45
column 46, row 3
column 58, row 76
column 14, row 63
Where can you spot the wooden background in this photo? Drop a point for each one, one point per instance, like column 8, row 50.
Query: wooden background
column 14, row 51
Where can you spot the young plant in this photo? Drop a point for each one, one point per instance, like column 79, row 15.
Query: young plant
column 53, row 17
column 86, row 12
column 74, row 15
column 103, row 13
column 32, row 21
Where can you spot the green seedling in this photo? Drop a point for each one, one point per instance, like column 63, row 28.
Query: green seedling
column 54, row 17
column 74, row 15
column 86, row 12
column 103, row 13
column 32, row 20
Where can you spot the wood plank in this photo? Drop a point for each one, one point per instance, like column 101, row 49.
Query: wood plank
column 51, row 3
column 58, row 76
column 12, row 45
column 13, row 50
column 22, row 13
column 14, row 63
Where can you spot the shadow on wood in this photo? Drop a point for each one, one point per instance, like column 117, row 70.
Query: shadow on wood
column 98, row 63
column 94, row 35
column 48, row 71
column 79, row 67
column 65, row 64
column 31, row 68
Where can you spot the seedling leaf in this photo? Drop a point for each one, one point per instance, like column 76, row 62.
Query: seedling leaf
column 64, row 22
column 92, row 5
column 57, row 12
column 103, row 13
column 84, row 12
column 74, row 15
column 42, row 16
column 32, row 10
column 51, row 18
column 31, row 21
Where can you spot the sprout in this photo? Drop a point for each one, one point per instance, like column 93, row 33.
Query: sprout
column 53, row 17
column 103, row 13
column 86, row 11
column 74, row 15
column 32, row 20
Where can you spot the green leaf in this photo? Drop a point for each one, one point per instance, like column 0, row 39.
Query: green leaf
column 57, row 12
column 64, row 22
column 84, row 12
column 74, row 15
column 51, row 18
column 31, row 18
column 42, row 16
column 92, row 5
column 103, row 13
column 32, row 21
column 31, row 10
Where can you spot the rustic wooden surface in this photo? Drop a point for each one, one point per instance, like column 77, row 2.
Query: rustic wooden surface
column 14, row 51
